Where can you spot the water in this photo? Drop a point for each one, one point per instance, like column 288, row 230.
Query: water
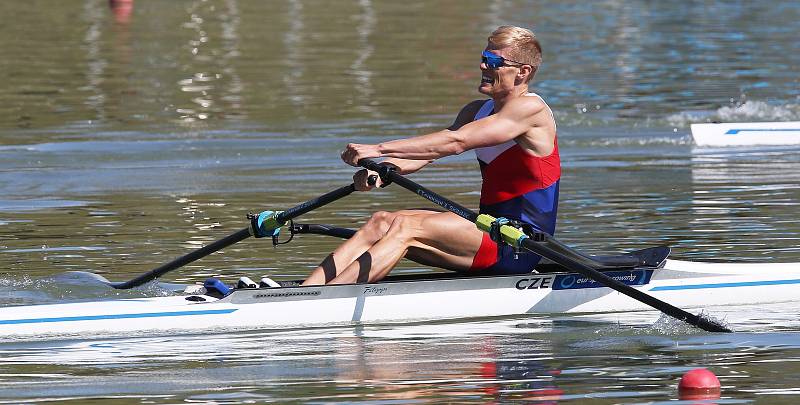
column 126, row 141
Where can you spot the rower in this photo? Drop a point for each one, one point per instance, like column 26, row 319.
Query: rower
column 513, row 134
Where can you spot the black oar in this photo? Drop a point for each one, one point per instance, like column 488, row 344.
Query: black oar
column 565, row 256
column 261, row 225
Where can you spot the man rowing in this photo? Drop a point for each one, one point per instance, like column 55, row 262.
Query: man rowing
column 513, row 135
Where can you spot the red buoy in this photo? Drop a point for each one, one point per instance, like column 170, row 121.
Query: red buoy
column 699, row 383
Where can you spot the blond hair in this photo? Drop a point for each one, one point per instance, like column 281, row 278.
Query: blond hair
column 525, row 48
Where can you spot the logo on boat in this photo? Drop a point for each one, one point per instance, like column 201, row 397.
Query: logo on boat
column 373, row 290
column 573, row 281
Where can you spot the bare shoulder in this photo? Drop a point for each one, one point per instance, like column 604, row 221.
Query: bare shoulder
column 467, row 114
column 539, row 138
column 522, row 107
column 531, row 110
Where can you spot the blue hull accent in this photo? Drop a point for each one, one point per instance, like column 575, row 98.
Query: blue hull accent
column 725, row 285
column 116, row 316
column 736, row 131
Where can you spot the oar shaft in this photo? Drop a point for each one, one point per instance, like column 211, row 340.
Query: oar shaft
column 184, row 260
column 204, row 251
column 429, row 195
column 542, row 250
column 315, row 203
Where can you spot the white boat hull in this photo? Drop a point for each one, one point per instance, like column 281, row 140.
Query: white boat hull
column 683, row 284
column 746, row 133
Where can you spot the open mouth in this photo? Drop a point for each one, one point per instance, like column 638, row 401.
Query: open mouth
column 487, row 78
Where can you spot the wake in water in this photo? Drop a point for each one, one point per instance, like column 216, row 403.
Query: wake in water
column 72, row 286
column 743, row 111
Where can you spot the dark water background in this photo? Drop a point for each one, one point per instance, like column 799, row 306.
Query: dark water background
column 128, row 140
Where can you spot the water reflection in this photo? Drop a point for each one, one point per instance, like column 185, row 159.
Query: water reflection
column 292, row 42
column 96, row 65
column 746, row 197
column 415, row 362
column 535, row 359
column 213, row 83
column 642, row 65
column 364, row 49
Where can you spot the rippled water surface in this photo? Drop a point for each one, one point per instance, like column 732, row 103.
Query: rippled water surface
column 130, row 136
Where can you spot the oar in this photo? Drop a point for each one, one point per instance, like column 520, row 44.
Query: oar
column 565, row 256
column 264, row 224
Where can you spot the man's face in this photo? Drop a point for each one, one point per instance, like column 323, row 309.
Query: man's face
column 500, row 80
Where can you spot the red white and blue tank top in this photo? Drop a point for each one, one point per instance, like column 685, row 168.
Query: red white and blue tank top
column 516, row 184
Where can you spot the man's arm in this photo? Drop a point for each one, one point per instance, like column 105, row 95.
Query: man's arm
column 515, row 119
column 408, row 166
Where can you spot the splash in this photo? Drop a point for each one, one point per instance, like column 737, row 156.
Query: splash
column 759, row 111
column 643, row 139
column 743, row 111
column 667, row 325
column 71, row 286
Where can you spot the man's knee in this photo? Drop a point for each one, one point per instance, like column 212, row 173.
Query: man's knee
column 378, row 224
column 380, row 219
column 402, row 228
column 395, row 225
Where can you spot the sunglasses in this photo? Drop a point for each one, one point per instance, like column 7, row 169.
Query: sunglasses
column 495, row 61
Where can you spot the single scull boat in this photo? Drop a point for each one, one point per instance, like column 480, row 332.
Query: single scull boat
column 414, row 298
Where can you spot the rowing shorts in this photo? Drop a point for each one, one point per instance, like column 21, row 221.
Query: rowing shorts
column 502, row 259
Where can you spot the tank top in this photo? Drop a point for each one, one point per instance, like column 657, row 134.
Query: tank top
column 516, row 184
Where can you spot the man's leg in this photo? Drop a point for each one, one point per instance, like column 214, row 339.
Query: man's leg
column 349, row 251
column 439, row 239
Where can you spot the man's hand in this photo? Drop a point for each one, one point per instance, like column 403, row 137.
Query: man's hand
column 354, row 152
column 361, row 180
